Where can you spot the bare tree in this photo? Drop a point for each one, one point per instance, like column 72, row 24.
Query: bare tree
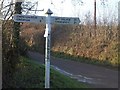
column 75, row 4
column 30, row 8
column 7, row 8
column 10, row 38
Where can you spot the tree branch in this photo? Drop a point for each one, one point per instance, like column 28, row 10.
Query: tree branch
column 8, row 5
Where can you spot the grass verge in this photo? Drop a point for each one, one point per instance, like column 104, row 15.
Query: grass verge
column 30, row 74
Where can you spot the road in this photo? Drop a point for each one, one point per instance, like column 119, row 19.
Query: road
column 95, row 76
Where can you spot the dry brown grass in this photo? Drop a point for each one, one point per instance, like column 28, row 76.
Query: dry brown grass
column 100, row 44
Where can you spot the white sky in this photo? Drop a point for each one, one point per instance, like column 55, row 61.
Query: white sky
column 67, row 8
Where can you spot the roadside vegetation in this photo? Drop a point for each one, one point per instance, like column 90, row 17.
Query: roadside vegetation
column 30, row 74
column 83, row 42
column 23, row 72
column 79, row 43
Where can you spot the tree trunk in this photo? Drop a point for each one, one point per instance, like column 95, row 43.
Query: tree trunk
column 16, row 28
column 10, row 51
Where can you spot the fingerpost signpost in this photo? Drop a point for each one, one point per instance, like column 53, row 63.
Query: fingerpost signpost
column 48, row 20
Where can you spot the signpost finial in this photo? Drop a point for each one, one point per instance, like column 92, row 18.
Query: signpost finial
column 49, row 12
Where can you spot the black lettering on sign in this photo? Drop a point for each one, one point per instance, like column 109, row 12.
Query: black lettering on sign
column 57, row 18
column 23, row 19
column 21, row 16
column 34, row 17
column 63, row 19
column 26, row 17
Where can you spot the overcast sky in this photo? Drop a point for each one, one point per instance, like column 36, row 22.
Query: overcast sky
column 68, row 8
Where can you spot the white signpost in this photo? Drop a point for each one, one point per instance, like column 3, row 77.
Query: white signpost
column 48, row 20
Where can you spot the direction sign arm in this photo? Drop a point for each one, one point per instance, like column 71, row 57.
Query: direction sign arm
column 65, row 20
column 29, row 18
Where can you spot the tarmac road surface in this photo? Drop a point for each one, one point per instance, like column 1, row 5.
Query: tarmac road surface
column 95, row 76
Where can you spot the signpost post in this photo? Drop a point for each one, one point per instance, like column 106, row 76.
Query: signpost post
column 47, row 48
column 48, row 20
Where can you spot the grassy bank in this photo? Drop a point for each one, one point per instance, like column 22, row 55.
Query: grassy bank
column 30, row 74
column 83, row 59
